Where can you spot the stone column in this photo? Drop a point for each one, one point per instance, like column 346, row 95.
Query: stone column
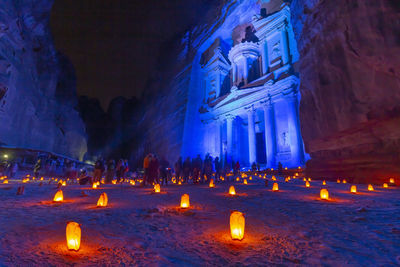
column 252, row 135
column 218, row 144
column 264, row 56
column 245, row 69
column 229, row 135
column 296, row 143
column 270, row 133
column 284, row 46
column 234, row 70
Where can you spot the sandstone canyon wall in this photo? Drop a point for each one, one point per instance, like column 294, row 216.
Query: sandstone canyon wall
column 37, row 84
column 350, row 86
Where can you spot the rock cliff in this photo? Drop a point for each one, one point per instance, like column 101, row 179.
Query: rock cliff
column 37, row 84
column 350, row 86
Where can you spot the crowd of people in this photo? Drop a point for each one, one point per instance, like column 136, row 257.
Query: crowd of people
column 195, row 169
column 110, row 169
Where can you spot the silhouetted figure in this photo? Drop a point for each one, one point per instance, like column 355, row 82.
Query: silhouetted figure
column 154, row 166
column 237, row 168
column 178, row 168
column 218, row 167
column 98, row 170
column 197, row 167
column 254, row 167
column 164, row 164
column 187, row 166
column 146, row 164
column 280, row 168
column 119, row 170
column 110, row 171
column 37, row 168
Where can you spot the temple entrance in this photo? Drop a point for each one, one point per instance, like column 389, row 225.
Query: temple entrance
column 260, row 148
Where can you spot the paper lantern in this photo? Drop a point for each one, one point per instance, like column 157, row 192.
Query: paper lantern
column 103, row 200
column 179, row 182
column 185, row 201
column 309, row 179
column 244, row 181
column 58, row 197
column 64, row 183
column 237, row 179
column 324, row 194
column 296, row 174
column 353, row 189
column 94, row 186
column 232, row 190
column 73, row 234
column 286, row 179
column 338, row 181
column 304, row 179
column 5, row 182
column 370, row 187
column 323, row 182
column 157, row 188
column 391, row 180
column 285, row 168
column 211, row 184
column 275, row 187
column 237, row 222
column 344, row 181
column 307, row 184
column 385, row 185
column 273, row 178
column 114, row 181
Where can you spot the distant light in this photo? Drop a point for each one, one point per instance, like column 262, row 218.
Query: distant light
column 5, row 156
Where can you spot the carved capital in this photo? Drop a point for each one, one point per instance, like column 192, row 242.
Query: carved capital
column 267, row 104
column 230, row 117
column 250, row 109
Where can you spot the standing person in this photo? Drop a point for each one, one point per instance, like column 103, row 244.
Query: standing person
column 98, row 170
column 154, row 167
column 197, row 167
column 36, row 169
column 146, row 163
column 237, row 168
column 217, row 166
column 164, row 165
column 126, row 169
column 178, row 168
column 208, row 166
column 119, row 170
column 110, row 171
column 187, row 166
column 13, row 169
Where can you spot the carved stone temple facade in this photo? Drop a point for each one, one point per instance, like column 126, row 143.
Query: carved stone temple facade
column 244, row 96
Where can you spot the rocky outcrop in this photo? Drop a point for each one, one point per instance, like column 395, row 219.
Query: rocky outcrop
column 37, row 84
column 350, row 86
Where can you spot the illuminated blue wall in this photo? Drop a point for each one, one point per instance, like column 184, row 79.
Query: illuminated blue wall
column 258, row 118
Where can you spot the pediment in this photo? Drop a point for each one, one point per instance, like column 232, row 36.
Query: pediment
column 237, row 94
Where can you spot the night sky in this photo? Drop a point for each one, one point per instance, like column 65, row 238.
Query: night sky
column 114, row 44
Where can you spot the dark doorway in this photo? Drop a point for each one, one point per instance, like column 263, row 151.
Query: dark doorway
column 261, row 153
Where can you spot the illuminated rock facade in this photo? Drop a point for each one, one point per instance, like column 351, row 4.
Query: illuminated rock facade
column 37, row 84
column 244, row 93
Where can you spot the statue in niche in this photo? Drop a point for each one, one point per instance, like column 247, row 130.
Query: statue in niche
column 250, row 35
column 284, row 139
column 284, row 142
column 276, row 51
